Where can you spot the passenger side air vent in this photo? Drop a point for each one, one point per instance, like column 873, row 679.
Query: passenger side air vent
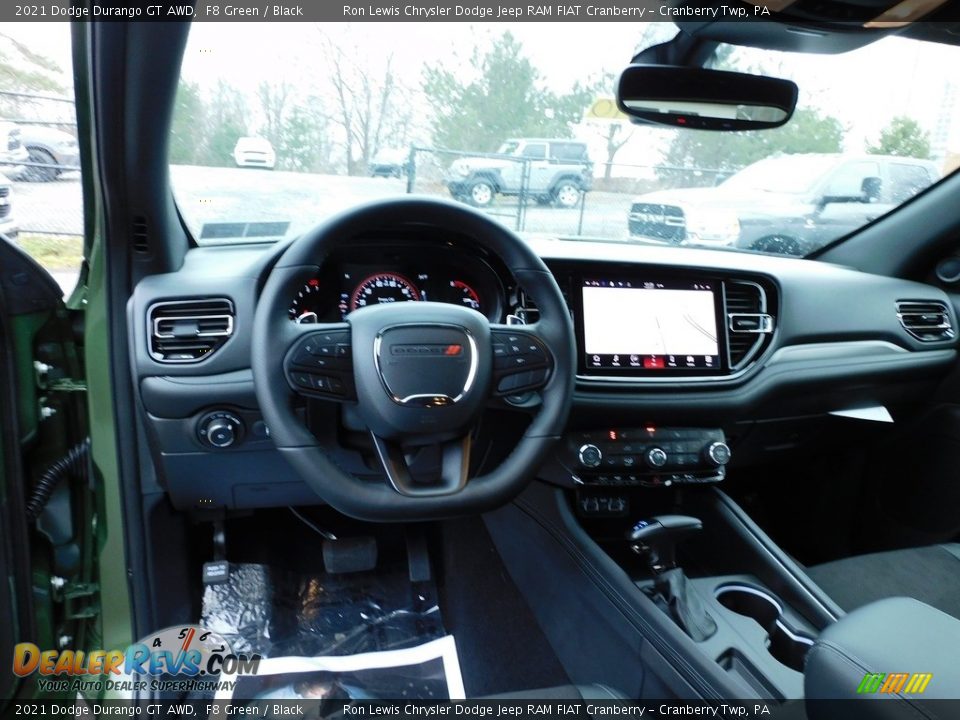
column 748, row 323
column 926, row 320
column 186, row 331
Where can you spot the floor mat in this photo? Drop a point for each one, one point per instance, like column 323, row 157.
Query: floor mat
column 500, row 644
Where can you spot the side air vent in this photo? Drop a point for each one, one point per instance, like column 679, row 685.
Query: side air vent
column 748, row 323
column 926, row 320
column 138, row 233
column 186, row 331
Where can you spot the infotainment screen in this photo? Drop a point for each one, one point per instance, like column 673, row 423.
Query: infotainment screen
column 649, row 325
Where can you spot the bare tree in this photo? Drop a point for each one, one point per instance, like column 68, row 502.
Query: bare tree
column 274, row 98
column 370, row 107
column 617, row 136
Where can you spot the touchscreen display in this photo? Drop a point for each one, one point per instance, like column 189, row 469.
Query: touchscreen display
column 650, row 325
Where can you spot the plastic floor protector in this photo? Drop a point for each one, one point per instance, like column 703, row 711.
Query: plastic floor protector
column 278, row 613
column 332, row 637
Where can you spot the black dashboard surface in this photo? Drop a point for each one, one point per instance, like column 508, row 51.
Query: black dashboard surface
column 836, row 342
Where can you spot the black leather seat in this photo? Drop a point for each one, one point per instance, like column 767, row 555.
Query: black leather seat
column 928, row 574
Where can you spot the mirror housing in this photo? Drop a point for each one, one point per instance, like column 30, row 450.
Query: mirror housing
column 871, row 187
column 704, row 99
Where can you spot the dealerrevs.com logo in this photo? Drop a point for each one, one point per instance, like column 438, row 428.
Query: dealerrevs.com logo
column 894, row 683
column 183, row 658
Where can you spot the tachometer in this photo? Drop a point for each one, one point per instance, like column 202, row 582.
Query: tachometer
column 465, row 294
column 383, row 288
column 305, row 307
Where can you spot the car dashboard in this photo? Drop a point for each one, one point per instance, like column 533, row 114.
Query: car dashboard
column 758, row 347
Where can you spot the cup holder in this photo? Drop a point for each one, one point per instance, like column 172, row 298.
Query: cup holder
column 786, row 646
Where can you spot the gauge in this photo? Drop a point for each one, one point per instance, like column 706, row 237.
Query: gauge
column 305, row 307
column 465, row 294
column 383, row 288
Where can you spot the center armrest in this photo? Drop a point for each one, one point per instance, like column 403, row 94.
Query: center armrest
column 898, row 649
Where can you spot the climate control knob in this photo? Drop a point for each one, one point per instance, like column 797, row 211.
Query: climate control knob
column 589, row 455
column 655, row 457
column 717, row 453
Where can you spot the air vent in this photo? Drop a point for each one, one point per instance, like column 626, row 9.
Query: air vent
column 138, row 233
column 748, row 324
column 926, row 320
column 186, row 331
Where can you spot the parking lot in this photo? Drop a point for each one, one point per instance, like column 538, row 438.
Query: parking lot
column 207, row 195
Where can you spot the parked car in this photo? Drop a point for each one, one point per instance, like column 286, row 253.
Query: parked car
column 808, row 200
column 559, row 172
column 8, row 224
column 390, row 163
column 12, row 151
column 53, row 149
column 254, row 152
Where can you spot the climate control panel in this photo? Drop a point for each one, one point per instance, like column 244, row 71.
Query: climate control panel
column 647, row 456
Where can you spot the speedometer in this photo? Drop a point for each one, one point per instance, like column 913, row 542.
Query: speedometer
column 383, row 288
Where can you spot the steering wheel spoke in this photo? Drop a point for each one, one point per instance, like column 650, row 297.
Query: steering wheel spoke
column 453, row 471
column 319, row 362
column 522, row 361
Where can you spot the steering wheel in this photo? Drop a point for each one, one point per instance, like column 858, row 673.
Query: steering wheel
column 419, row 373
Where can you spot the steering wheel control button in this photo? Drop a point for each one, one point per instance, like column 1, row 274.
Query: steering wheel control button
column 520, row 361
column 220, row 429
column 320, row 365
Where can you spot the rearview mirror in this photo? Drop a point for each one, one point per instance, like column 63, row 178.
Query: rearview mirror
column 705, row 99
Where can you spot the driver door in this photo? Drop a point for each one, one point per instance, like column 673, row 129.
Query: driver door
column 47, row 515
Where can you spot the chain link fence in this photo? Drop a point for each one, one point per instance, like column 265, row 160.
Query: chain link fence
column 545, row 196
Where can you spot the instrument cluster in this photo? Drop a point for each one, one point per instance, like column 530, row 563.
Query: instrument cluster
column 348, row 284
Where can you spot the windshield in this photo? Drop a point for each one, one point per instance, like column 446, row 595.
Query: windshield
column 372, row 113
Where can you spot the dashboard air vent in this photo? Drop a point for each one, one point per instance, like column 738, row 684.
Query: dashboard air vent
column 185, row 331
column 748, row 324
column 926, row 320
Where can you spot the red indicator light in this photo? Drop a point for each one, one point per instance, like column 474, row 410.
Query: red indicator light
column 681, row 121
column 453, row 350
column 613, row 434
column 313, row 283
column 650, row 429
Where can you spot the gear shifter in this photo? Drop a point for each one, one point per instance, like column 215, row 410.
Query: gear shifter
column 656, row 540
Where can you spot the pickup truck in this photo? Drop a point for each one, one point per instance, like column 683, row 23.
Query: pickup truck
column 785, row 204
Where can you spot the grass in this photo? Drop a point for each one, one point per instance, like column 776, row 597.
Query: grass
column 54, row 252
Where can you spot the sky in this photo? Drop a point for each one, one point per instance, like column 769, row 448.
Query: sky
column 864, row 89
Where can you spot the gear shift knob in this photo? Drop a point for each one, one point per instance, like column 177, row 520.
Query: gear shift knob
column 657, row 538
